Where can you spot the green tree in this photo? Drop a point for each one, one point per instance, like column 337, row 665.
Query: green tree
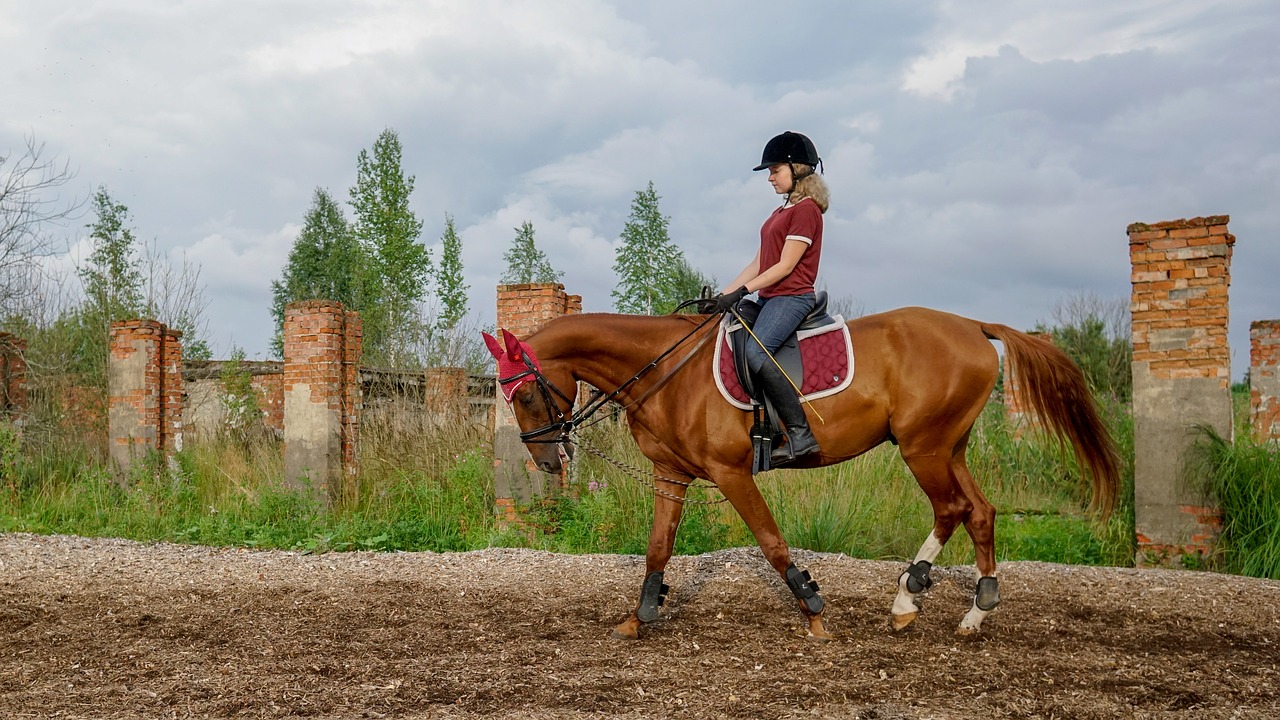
column 525, row 262
column 324, row 264
column 1094, row 333
column 449, row 282
column 243, row 414
column 113, row 289
column 112, row 280
column 395, row 280
column 689, row 282
column 648, row 264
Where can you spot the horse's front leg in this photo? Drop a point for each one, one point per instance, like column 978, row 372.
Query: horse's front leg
column 668, row 506
column 742, row 492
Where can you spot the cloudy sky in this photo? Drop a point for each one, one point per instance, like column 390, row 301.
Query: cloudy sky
column 985, row 157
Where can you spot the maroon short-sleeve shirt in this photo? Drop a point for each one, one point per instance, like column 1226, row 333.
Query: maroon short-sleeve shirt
column 803, row 222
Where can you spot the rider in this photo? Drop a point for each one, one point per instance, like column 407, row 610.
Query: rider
column 783, row 273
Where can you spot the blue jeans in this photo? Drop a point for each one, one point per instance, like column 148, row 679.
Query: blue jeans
column 779, row 317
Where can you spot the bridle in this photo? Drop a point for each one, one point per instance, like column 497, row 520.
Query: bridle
column 562, row 425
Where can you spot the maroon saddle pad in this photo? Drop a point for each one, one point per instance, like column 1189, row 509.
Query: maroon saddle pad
column 826, row 351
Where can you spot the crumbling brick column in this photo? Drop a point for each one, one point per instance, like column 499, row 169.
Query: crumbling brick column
column 144, row 390
column 13, row 377
column 1264, row 380
column 1181, row 377
column 445, row 393
column 322, row 400
column 522, row 309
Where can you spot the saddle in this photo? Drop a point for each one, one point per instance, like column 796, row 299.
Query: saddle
column 818, row 357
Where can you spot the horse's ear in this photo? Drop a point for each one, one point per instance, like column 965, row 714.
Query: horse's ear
column 495, row 348
column 513, row 345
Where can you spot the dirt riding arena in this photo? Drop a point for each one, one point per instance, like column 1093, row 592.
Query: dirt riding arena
column 114, row 629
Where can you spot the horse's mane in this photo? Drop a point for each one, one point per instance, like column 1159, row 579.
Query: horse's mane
column 614, row 320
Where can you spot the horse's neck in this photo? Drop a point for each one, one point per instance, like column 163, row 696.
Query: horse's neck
column 608, row 353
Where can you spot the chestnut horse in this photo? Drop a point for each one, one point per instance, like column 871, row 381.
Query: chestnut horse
column 921, row 379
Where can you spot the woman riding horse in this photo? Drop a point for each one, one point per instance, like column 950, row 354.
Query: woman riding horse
column 783, row 274
column 922, row 378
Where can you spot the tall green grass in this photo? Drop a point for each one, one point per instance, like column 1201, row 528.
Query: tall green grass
column 872, row 506
column 426, row 487
column 1243, row 478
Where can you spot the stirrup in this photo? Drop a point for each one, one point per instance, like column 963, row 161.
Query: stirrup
column 782, row 455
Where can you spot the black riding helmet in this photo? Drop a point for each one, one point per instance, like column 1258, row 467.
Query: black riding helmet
column 789, row 147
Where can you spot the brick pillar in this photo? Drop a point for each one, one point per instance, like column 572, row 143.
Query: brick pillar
column 523, row 309
column 1264, row 380
column 322, row 400
column 144, row 390
column 445, row 393
column 13, row 377
column 1016, row 408
column 172, row 389
column 1181, row 377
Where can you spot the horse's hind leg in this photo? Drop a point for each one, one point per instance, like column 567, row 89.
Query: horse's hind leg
column 950, row 507
column 668, row 506
column 742, row 492
column 981, row 526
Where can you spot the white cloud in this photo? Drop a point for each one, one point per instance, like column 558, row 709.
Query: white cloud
column 1059, row 32
column 214, row 122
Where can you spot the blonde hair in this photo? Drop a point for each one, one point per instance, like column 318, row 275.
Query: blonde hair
column 810, row 185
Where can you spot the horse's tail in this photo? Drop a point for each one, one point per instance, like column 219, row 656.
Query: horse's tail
column 1056, row 391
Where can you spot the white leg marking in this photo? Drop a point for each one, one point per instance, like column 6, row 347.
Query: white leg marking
column 972, row 621
column 905, row 601
column 929, row 551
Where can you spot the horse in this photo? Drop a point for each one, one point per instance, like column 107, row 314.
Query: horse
column 921, row 378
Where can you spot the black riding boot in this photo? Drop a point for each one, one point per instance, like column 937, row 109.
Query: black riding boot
column 800, row 440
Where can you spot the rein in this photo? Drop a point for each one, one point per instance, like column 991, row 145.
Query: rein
column 563, row 425
column 642, row 477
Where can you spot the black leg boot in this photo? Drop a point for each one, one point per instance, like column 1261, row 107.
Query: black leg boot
column 800, row 440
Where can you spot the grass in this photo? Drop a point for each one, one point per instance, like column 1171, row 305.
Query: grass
column 428, row 488
column 1243, row 478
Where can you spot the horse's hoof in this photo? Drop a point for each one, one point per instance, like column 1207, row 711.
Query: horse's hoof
column 628, row 629
column 901, row 622
column 817, row 631
column 965, row 632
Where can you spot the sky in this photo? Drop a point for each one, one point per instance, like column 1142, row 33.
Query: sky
column 984, row 158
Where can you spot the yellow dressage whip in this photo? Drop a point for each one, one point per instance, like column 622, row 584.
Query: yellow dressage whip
column 774, row 360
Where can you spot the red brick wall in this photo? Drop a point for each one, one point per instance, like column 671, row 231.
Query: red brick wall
column 13, row 375
column 352, row 350
column 270, row 390
column 144, row 407
column 171, row 389
column 1264, row 379
column 1181, row 273
column 446, row 391
column 523, row 309
column 322, row 347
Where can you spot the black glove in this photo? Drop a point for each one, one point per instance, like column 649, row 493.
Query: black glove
column 724, row 302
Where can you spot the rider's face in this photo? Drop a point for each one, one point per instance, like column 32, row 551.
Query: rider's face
column 780, row 178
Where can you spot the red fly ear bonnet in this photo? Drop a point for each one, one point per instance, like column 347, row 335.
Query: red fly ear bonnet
column 510, row 355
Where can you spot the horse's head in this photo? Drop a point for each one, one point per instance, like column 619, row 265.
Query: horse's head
column 541, row 399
